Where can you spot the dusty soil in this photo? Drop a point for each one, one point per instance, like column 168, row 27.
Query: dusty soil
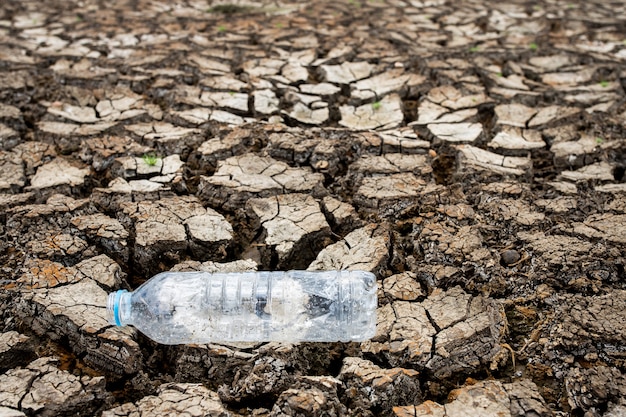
column 471, row 154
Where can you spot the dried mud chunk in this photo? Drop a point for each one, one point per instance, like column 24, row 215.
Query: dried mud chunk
column 461, row 243
column 575, row 154
column 611, row 227
column 265, row 102
column 588, row 327
column 593, row 388
column 486, row 398
column 324, row 154
column 59, row 173
column 210, row 363
column 347, row 72
column 371, row 387
column 82, row 303
column 294, row 229
column 383, row 114
column 402, row 287
column 12, row 176
column 106, row 231
column 65, row 302
column 268, row 376
column 240, row 178
column 456, row 132
column 103, row 270
column 34, row 154
column 167, row 138
column 514, row 114
column 389, row 192
column 100, row 152
column 10, row 412
column 35, row 222
column 471, row 332
column 210, row 266
column 206, row 157
column 470, row 157
column 43, row 389
column 68, row 136
column 8, row 137
column 557, row 249
column 309, row 115
column 57, row 246
column 514, row 210
column 15, row 350
column 120, row 191
column 174, row 399
column 310, row 397
column 516, row 139
column 8, row 201
column 169, row 226
column 159, row 170
column 365, row 249
column 342, row 217
column 404, row 334
column 601, row 171
column 551, row 114
column 391, row 81
column 391, row 163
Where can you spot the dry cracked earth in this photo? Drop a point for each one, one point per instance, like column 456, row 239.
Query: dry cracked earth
column 471, row 154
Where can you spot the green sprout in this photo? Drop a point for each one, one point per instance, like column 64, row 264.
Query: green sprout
column 231, row 93
column 474, row 49
column 150, row 159
column 376, row 105
column 599, row 140
column 604, row 83
column 533, row 46
column 499, row 74
column 279, row 25
column 221, row 28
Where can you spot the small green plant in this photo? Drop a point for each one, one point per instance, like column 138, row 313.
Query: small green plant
column 221, row 28
column 604, row 83
column 474, row 49
column 599, row 140
column 533, row 46
column 231, row 93
column 500, row 74
column 279, row 25
column 150, row 159
column 376, row 105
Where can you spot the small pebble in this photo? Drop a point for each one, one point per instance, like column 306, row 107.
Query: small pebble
column 510, row 256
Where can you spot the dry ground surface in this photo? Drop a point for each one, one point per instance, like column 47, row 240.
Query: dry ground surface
column 471, row 154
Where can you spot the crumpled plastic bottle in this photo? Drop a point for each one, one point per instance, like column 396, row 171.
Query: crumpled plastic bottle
column 292, row 306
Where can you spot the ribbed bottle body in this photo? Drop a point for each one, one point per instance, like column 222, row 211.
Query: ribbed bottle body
column 291, row 306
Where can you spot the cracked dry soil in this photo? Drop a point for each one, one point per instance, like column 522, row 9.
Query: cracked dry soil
column 470, row 154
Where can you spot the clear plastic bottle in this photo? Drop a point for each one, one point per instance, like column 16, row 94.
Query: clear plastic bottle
column 293, row 306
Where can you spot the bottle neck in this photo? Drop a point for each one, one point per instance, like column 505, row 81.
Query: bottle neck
column 118, row 307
